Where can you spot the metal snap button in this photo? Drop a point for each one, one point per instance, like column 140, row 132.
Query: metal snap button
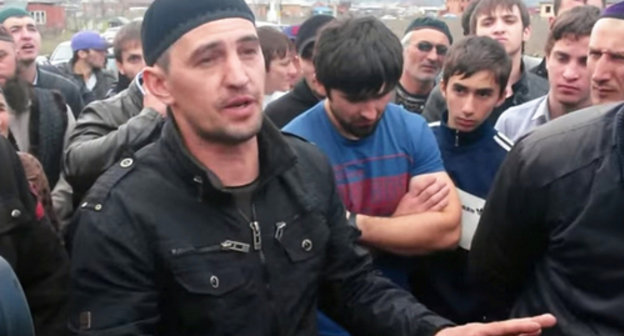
column 98, row 207
column 16, row 213
column 125, row 163
column 214, row 281
column 84, row 205
column 306, row 244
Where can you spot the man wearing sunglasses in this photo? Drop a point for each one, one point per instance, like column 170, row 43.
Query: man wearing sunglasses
column 425, row 44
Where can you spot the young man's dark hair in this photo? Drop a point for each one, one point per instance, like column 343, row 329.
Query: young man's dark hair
column 361, row 72
column 557, row 5
column 489, row 6
column 274, row 44
column 478, row 53
column 574, row 23
column 128, row 33
column 466, row 15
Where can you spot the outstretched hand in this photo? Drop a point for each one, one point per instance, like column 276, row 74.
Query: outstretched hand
column 530, row 326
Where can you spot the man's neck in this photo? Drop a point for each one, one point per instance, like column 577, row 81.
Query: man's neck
column 516, row 68
column 235, row 165
column 82, row 69
column 28, row 71
column 414, row 86
column 556, row 109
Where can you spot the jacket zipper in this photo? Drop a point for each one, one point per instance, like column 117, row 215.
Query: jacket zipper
column 456, row 138
column 226, row 245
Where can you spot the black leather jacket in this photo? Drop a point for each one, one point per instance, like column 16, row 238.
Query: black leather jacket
column 105, row 131
column 550, row 237
column 162, row 249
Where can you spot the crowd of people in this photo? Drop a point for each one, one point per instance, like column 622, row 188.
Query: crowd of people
column 336, row 179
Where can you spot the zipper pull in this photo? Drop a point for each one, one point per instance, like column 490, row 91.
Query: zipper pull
column 230, row 245
column 257, row 239
column 279, row 230
column 200, row 189
column 456, row 138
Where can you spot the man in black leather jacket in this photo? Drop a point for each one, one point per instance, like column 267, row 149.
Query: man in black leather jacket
column 224, row 226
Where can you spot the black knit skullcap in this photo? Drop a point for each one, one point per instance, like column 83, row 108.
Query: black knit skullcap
column 432, row 23
column 167, row 20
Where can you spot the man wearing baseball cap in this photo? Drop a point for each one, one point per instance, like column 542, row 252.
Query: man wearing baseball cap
column 87, row 66
column 225, row 226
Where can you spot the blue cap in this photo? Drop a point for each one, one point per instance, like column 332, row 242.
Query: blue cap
column 88, row 40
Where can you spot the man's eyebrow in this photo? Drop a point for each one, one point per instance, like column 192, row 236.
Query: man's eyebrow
column 248, row 38
column 205, row 48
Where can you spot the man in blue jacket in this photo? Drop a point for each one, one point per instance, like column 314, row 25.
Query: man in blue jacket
column 475, row 75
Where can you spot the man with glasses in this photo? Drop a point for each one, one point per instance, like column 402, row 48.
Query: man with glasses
column 425, row 44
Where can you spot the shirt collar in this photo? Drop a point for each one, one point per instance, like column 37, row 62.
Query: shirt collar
column 542, row 112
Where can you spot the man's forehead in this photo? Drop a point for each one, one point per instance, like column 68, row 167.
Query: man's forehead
column 19, row 21
column 499, row 11
column 6, row 46
column 429, row 34
column 480, row 80
column 217, row 32
column 607, row 33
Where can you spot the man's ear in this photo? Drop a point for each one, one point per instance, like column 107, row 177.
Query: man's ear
column 443, row 88
column 526, row 34
column 502, row 96
column 155, row 81
column 318, row 87
column 82, row 53
column 551, row 21
column 120, row 67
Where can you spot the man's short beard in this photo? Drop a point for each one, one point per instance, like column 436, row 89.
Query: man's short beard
column 17, row 94
column 228, row 138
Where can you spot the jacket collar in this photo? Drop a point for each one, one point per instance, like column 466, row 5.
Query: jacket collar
column 457, row 138
column 521, row 87
column 619, row 138
column 276, row 156
column 304, row 93
column 135, row 94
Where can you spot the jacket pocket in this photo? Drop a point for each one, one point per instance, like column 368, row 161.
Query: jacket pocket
column 210, row 282
column 211, row 270
column 303, row 238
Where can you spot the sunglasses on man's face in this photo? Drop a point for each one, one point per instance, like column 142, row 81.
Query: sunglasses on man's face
column 425, row 46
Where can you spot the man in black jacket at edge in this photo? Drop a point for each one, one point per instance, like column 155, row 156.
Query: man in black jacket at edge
column 550, row 236
column 225, row 226
column 32, row 248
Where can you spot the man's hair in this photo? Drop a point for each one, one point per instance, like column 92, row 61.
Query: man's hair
column 575, row 23
column 557, row 5
column 5, row 35
column 129, row 33
column 466, row 15
column 478, row 53
column 360, row 57
column 274, row 44
column 486, row 7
